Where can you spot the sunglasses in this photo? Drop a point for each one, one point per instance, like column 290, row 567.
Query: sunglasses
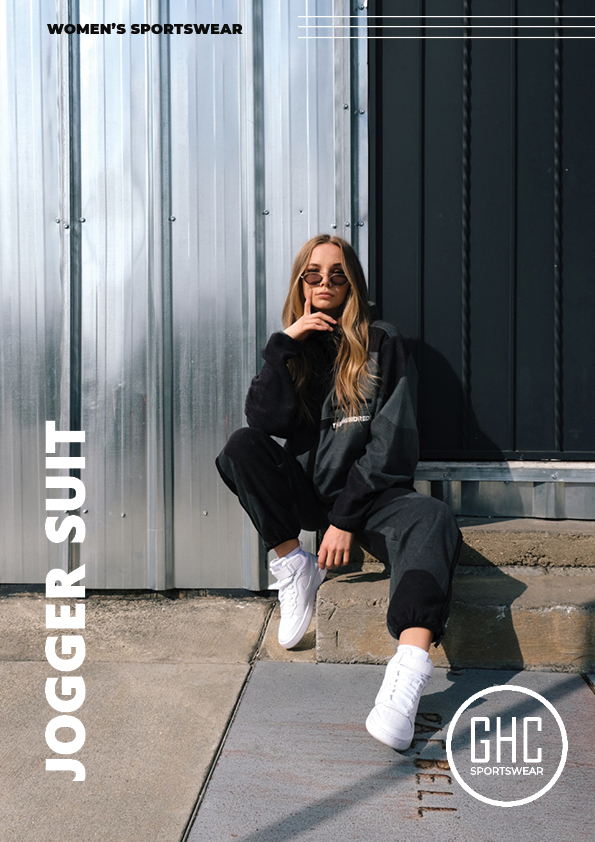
column 337, row 279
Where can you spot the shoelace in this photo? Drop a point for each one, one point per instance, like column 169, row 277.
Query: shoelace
column 404, row 687
column 287, row 594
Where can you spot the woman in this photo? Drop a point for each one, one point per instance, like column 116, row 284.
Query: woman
column 334, row 385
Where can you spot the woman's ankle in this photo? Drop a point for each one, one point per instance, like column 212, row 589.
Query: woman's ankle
column 417, row 636
column 286, row 547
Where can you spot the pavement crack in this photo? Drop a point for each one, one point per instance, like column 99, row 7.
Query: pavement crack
column 230, row 721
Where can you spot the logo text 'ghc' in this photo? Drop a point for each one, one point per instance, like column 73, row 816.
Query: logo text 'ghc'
column 500, row 739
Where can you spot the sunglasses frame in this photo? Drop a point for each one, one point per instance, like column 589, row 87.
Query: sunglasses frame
column 321, row 275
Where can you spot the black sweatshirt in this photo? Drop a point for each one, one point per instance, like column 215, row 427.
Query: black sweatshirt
column 350, row 459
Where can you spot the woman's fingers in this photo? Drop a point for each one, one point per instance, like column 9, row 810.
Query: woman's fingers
column 318, row 321
column 326, row 557
column 322, row 557
column 314, row 321
column 308, row 304
column 326, row 317
column 332, row 558
column 335, row 549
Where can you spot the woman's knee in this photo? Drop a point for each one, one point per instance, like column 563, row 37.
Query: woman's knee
column 437, row 517
column 244, row 443
column 435, row 510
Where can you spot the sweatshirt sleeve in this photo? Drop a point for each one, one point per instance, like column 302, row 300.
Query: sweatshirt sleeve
column 392, row 451
column 271, row 403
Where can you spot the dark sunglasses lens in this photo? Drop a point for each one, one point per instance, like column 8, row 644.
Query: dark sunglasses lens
column 313, row 279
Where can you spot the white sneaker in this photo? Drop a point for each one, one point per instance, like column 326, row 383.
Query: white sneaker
column 299, row 578
column 392, row 720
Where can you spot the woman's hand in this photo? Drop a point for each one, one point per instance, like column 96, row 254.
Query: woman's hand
column 310, row 321
column 335, row 548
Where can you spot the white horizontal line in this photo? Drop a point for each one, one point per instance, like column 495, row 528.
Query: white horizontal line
column 449, row 37
column 470, row 17
column 437, row 26
column 529, row 464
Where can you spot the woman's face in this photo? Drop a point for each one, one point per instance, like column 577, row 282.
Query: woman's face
column 326, row 297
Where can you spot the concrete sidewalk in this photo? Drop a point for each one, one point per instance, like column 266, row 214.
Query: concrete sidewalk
column 298, row 764
column 162, row 678
column 199, row 726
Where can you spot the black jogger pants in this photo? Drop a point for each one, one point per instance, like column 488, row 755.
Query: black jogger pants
column 417, row 536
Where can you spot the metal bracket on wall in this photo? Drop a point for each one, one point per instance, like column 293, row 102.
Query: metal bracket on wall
column 556, row 490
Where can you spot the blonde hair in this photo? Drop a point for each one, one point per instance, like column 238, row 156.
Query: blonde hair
column 353, row 365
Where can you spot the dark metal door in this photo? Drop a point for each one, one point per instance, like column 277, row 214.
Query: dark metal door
column 482, row 216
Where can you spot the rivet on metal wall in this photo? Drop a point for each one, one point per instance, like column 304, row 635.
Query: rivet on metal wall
column 123, row 514
column 58, row 220
column 334, row 225
column 347, row 224
column 361, row 111
column 265, row 213
column 205, row 513
column 172, row 219
column 82, row 219
column 66, row 225
column 360, row 224
column 85, row 511
column 345, row 105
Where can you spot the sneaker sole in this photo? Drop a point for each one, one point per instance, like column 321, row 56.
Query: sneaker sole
column 303, row 626
column 383, row 736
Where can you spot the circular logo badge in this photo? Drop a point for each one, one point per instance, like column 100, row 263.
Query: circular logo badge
column 510, row 749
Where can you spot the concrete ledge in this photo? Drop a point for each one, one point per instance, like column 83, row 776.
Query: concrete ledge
column 271, row 650
column 141, row 630
column 510, row 618
column 528, row 541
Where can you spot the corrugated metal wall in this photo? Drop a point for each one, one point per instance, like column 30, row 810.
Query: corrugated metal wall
column 193, row 168
column 32, row 303
column 125, row 284
column 214, row 295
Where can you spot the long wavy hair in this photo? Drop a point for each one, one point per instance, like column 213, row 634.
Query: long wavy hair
column 353, row 371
